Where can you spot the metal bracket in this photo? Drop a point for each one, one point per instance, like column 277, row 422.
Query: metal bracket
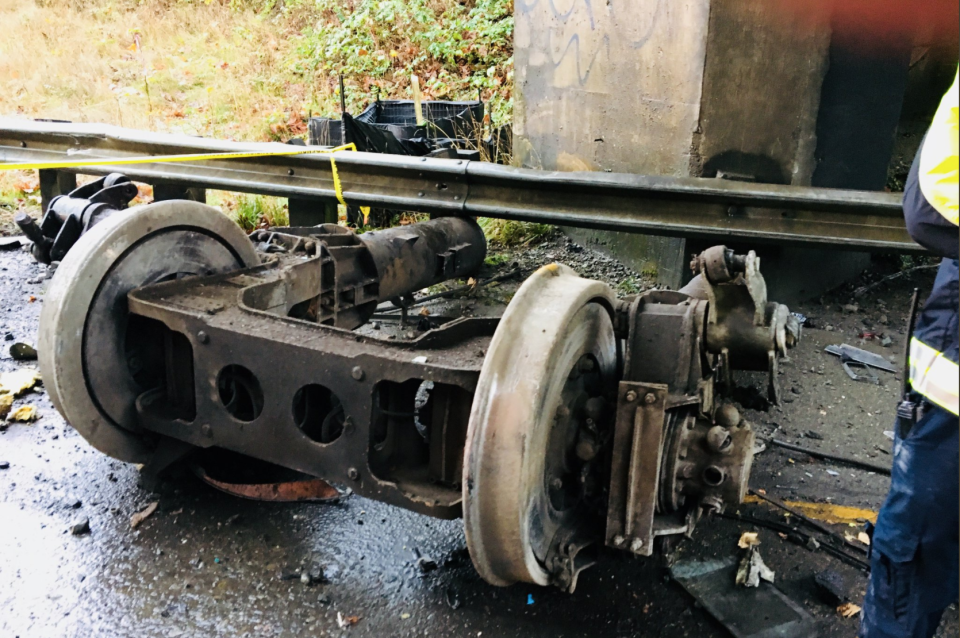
column 635, row 473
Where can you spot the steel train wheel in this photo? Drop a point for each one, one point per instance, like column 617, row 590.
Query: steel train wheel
column 552, row 361
column 87, row 342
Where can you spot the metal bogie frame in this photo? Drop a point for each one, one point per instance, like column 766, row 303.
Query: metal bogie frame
column 576, row 419
column 290, row 368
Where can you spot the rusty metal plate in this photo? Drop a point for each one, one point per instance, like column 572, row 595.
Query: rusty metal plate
column 303, row 491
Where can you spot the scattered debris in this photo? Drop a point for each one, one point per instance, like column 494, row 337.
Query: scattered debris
column 850, row 308
column 711, row 583
column 346, row 621
column 6, row 402
column 848, row 610
column 451, row 598
column 143, row 514
column 848, row 353
column 830, row 587
column 81, row 527
column 529, row 599
column 313, row 576
column 886, row 341
column 4, row 465
column 23, row 414
column 810, row 522
column 11, row 243
column 747, row 540
column 864, row 538
column 306, row 490
column 23, row 352
column 864, row 465
column 889, row 434
column 424, row 563
column 752, row 569
column 18, row 381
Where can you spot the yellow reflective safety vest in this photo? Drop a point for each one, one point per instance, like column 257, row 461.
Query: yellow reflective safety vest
column 931, row 206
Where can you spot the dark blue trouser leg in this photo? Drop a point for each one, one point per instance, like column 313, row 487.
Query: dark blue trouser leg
column 914, row 556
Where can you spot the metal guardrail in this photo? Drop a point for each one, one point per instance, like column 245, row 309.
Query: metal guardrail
column 715, row 209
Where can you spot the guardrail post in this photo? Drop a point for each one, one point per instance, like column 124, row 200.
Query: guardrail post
column 311, row 212
column 54, row 183
column 163, row 192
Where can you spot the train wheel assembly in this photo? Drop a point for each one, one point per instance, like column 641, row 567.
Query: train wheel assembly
column 88, row 342
column 532, row 467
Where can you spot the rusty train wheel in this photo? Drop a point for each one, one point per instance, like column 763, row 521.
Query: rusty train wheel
column 85, row 332
column 529, row 468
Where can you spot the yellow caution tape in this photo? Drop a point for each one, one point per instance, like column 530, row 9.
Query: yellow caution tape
column 197, row 157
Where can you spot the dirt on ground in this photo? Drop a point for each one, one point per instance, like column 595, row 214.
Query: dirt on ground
column 207, row 564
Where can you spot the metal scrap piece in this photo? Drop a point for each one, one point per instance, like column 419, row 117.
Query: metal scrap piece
column 848, row 354
column 303, row 491
column 756, row 612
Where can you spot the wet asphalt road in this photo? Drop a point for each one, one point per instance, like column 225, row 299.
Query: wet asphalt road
column 206, row 564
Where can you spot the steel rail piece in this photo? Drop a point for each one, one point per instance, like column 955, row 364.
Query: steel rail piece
column 707, row 208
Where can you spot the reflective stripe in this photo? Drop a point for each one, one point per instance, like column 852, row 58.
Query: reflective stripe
column 934, row 376
column 939, row 162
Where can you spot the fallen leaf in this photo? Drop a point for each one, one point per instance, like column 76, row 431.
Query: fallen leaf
column 24, row 414
column 748, row 539
column 346, row 621
column 424, row 312
column 863, row 538
column 6, row 402
column 848, row 610
column 31, row 299
column 143, row 514
column 18, row 381
column 472, row 282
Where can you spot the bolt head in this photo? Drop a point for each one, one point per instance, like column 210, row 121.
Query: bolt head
column 631, row 396
column 636, row 545
column 206, row 430
column 556, row 483
column 353, row 474
column 650, row 398
column 203, row 337
column 357, row 373
column 619, row 540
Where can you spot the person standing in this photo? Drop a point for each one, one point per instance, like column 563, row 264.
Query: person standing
column 914, row 550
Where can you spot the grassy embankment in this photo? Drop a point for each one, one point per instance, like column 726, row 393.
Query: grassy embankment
column 242, row 69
